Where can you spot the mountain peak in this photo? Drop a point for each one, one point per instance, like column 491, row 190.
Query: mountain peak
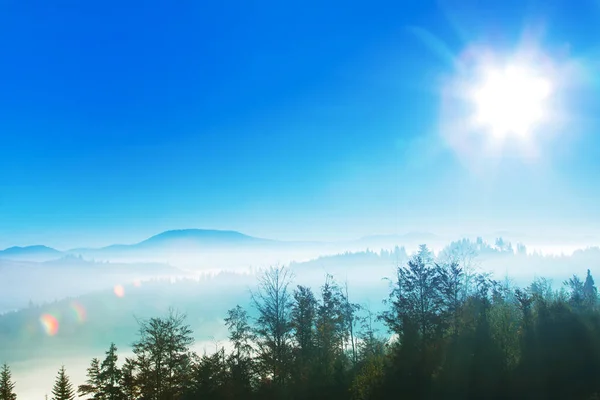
column 30, row 253
column 207, row 236
column 29, row 249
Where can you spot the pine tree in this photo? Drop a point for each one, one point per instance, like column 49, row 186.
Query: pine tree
column 210, row 377
column 63, row 388
column 590, row 292
column 450, row 285
column 303, row 318
column 425, row 255
column 415, row 300
column 129, row 384
column 110, row 376
column 7, row 386
column 330, row 329
column 92, row 384
column 303, row 323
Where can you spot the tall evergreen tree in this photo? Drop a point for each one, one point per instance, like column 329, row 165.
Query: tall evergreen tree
column 590, row 292
column 330, row 326
column 415, row 300
column 303, row 318
column 7, row 386
column 110, row 376
column 451, row 284
column 129, row 384
column 92, row 386
column 425, row 255
column 210, row 378
column 63, row 388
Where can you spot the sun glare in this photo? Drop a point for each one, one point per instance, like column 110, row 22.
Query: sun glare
column 510, row 100
column 506, row 104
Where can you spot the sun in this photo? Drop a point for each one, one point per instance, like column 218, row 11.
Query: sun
column 510, row 100
column 501, row 105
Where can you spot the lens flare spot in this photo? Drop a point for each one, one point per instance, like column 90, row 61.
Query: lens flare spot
column 119, row 291
column 137, row 283
column 79, row 311
column 49, row 324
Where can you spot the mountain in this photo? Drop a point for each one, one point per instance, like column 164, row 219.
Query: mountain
column 200, row 249
column 201, row 237
column 31, row 253
column 179, row 240
column 191, row 248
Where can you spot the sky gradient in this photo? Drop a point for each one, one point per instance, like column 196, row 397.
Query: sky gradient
column 290, row 120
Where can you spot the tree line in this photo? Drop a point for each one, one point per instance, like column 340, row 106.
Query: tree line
column 450, row 333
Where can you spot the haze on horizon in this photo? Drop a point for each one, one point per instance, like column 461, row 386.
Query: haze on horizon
column 294, row 121
column 289, row 122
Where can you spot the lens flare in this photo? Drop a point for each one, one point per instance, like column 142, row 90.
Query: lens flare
column 79, row 311
column 49, row 324
column 501, row 103
column 137, row 283
column 119, row 291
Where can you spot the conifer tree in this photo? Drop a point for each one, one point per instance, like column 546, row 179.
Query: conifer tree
column 7, row 386
column 590, row 292
column 330, row 328
column 63, row 388
column 303, row 317
column 92, row 384
column 129, row 384
column 110, row 376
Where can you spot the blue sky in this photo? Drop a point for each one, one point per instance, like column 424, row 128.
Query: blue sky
column 293, row 120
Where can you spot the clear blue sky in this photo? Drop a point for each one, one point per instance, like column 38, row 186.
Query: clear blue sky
column 284, row 119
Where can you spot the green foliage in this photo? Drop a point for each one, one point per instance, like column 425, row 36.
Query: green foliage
column 273, row 302
column 92, row 385
column 455, row 335
column 129, row 383
column 240, row 332
column 7, row 386
column 369, row 377
column 63, row 388
column 163, row 362
column 110, row 376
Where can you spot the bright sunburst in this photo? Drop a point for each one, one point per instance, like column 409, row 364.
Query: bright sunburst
column 505, row 103
column 510, row 100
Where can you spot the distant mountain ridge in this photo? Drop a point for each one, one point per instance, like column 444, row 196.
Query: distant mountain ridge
column 201, row 240
column 34, row 253
column 204, row 235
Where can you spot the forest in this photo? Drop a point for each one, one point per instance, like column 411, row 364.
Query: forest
column 450, row 333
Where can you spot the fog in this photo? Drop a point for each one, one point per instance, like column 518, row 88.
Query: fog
column 34, row 381
column 79, row 289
